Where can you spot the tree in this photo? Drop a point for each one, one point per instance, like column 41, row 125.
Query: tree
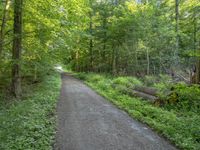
column 17, row 48
column 3, row 24
column 91, row 38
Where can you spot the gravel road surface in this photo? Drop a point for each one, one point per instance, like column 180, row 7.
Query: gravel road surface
column 86, row 121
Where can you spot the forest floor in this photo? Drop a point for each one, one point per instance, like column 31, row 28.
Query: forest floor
column 29, row 123
column 86, row 121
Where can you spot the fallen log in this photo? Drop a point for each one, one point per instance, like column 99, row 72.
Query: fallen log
column 145, row 96
column 147, row 90
column 143, row 92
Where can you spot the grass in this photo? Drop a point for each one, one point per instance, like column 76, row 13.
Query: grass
column 29, row 123
column 182, row 128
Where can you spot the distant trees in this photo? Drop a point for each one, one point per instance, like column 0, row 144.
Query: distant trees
column 118, row 37
column 142, row 38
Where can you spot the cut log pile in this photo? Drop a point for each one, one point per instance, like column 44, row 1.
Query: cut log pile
column 145, row 93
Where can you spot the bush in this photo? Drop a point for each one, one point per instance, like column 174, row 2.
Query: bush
column 95, row 78
column 127, row 81
column 81, row 76
column 150, row 80
column 188, row 97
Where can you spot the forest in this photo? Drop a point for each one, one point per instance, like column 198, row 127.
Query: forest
column 142, row 55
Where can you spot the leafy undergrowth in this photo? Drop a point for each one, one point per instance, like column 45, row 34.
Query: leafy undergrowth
column 179, row 126
column 29, row 123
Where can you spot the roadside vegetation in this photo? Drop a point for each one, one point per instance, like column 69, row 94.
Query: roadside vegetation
column 140, row 38
column 29, row 122
column 177, row 119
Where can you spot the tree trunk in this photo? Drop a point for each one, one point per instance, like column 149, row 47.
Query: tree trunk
column 17, row 47
column 195, row 75
column 176, row 59
column 104, row 39
column 148, row 62
column 91, row 44
column 3, row 24
column 198, row 72
column 196, row 47
column 114, row 61
column 77, row 61
column 35, row 73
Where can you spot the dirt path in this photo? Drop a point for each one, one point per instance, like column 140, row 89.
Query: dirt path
column 86, row 121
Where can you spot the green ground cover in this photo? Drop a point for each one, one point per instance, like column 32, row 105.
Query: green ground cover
column 29, row 123
column 181, row 126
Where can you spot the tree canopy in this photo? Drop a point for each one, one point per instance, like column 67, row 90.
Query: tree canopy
column 129, row 37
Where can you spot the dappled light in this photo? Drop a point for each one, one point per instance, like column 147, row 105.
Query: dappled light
column 59, row 68
column 61, row 61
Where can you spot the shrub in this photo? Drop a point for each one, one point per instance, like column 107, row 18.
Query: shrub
column 188, row 97
column 81, row 76
column 127, row 81
column 95, row 77
column 150, row 80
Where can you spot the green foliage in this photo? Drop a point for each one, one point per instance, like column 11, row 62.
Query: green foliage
column 179, row 96
column 182, row 128
column 95, row 78
column 129, row 82
column 125, row 85
column 150, row 80
column 125, row 37
column 81, row 76
column 29, row 123
column 188, row 97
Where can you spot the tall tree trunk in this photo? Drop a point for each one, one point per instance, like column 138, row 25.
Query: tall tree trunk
column 160, row 62
column 17, row 47
column 195, row 75
column 113, row 60
column 148, row 62
column 198, row 71
column 3, row 24
column 196, row 48
column 104, row 40
column 176, row 59
column 77, row 61
column 91, row 44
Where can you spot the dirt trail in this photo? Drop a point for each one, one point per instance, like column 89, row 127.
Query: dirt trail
column 86, row 121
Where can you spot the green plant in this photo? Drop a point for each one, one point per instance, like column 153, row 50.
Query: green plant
column 127, row 81
column 150, row 80
column 29, row 123
column 181, row 127
column 188, row 97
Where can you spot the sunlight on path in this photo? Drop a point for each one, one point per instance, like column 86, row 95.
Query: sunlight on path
column 59, row 68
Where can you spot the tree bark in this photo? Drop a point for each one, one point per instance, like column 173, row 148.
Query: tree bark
column 104, row 38
column 77, row 61
column 91, row 44
column 3, row 24
column 198, row 72
column 17, row 47
column 148, row 62
column 113, row 60
column 196, row 47
column 195, row 75
column 176, row 59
